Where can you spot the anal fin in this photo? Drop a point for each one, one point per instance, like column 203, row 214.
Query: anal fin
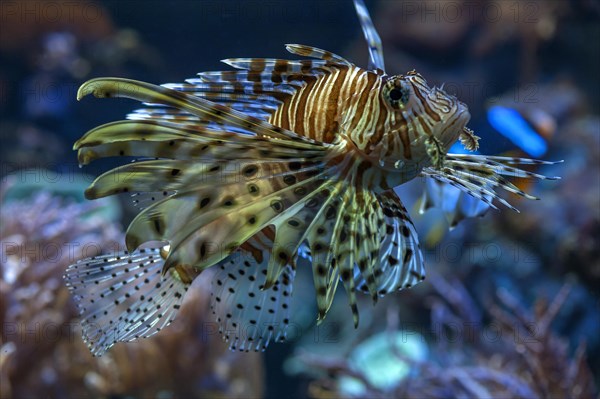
column 250, row 316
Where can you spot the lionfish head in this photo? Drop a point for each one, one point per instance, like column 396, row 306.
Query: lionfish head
column 422, row 115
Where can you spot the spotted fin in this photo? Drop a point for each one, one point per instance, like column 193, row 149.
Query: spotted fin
column 225, row 217
column 344, row 241
column 249, row 315
column 371, row 231
column 329, row 239
column 143, row 200
column 124, row 296
column 367, row 242
column 258, row 99
column 355, row 243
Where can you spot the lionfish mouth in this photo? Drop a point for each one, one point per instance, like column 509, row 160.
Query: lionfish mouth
column 457, row 128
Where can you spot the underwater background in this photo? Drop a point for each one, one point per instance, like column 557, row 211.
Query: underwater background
column 511, row 305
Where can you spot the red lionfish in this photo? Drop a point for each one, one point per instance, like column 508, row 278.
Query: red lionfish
column 247, row 168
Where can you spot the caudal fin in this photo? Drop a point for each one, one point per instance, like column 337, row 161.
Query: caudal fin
column 124, row 296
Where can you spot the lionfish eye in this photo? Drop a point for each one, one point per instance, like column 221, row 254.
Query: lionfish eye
column 396, row 92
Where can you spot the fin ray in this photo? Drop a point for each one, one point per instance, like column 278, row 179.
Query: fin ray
column 314, row 52
column 146, row 92
column 371, row 36
column 479, row 176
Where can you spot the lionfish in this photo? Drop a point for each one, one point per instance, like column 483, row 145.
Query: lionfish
column 248, row 169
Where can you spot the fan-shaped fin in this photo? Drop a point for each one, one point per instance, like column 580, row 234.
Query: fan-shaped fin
column 124, row 296
column 370, row 229
column 401, row 262
column 239, row 214
column 249, row 315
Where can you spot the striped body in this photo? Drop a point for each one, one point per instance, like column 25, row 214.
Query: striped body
column 327, row 106
column 348, row 103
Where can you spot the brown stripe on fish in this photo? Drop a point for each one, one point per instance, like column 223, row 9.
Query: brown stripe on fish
column 364, row 91
column 280, row 66
column 331, row 114
column 369, row 112
column 295, row 110
column 361, row 175
column 349, row 84
column 312, row 109
column 318, row 106
column 403, row 133
column 424, row 126
column 425, row 104
column 399, row 129
column 381, row 131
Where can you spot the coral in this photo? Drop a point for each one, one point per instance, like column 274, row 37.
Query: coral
column 41, row 350
column 515, row 354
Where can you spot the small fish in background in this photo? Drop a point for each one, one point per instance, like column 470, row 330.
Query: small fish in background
column 530, row 134
column 512, row 125
column 242, row 170
column 529, row 118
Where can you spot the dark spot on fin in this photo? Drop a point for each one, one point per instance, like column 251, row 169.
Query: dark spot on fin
column 250, row 316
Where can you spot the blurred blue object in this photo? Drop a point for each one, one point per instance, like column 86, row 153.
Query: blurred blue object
column 385, row 361
column 511, row 124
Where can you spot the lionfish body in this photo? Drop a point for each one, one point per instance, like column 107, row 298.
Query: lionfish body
column 355, row 105
column 245, row 169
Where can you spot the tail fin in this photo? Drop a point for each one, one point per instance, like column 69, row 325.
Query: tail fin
column 124, row 296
